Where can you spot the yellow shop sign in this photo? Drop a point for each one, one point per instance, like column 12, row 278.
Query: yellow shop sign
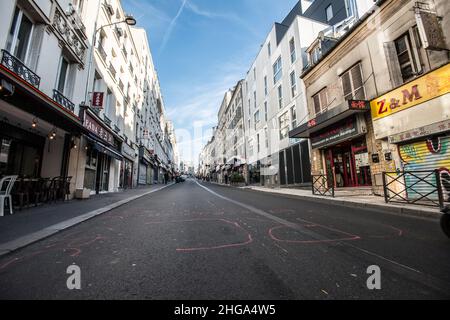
column 427, row 87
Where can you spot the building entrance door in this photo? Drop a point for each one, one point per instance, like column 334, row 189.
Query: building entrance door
column 349, row 165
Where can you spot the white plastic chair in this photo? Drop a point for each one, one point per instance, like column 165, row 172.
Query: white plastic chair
column 6, row 194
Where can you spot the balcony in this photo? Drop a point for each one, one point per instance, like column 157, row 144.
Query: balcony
column 107, row 120
column 62, row 100
column 121, row 86
column 16, row 66
column 113, row 71
column 116, row 129
column 102, row 52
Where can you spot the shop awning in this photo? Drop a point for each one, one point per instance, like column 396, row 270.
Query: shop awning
column 30, row 99
column 100, row 147
column 330, row 117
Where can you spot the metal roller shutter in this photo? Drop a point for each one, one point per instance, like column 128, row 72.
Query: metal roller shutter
column 427, row 155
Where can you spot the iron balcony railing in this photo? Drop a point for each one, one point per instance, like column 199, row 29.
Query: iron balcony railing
column 113, row 71
column 116, row 129
column 62, row 100
column 102, row 52
column 19, row 68
column 107, row 120
column 323, row 185
column 414, row 187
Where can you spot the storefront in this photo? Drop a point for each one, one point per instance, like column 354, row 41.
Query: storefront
column 127, row 166
column 413, row 124
column 294, row 165
column 339, row 141
column 254, row 171
column 38, row 134
column 145, row 166
column 102, row 154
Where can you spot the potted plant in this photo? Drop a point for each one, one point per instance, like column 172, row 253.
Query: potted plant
column 237, row 180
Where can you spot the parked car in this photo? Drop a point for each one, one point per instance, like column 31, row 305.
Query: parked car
column 179, row 179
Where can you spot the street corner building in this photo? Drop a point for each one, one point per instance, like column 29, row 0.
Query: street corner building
column 81, row 109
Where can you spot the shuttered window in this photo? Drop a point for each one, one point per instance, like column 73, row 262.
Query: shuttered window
column 320, row 101
column 352, row 84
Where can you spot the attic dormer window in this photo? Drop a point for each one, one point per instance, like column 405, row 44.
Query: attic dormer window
column 315, row 54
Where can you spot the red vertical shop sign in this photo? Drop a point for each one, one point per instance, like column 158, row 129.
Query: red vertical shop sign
column 97, row 100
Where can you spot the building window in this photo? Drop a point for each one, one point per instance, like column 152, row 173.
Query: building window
column 294, row 117
column 352, row 84
column 19, row 35
column 258, row 144
column 293, row 84
column 280, row 96
column 329, row 11
column 266, row 136
column 78, row 5
column 320, row 101
column 266, row 111
column 254, row 74
column 110, row 103
column 256, row 118
column 266, row 87
column 277, row 70
column 249, row 107
column 315, row 54
column 254, row 97
column 269, row 49
column 292, row 50
column 63, row 75
column 405, row 57
column 284, row 125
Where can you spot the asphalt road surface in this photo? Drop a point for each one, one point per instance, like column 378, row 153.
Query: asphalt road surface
column 203, row 241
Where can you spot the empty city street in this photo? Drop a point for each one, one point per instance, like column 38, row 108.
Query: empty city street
column 196, row 240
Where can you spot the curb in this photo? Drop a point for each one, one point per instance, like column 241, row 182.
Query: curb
column 397, row 210
column 22, row 242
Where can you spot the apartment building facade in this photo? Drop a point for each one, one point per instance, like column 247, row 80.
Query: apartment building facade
column 378, row 98
column 275, row 100
column 78, row 87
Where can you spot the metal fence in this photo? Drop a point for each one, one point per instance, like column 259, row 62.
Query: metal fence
column 322, row 185
column 414, row 187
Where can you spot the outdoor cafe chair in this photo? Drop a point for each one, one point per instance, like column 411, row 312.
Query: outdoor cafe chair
column 6, row 194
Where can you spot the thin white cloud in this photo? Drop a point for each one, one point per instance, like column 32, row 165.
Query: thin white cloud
column 172, row 25
column 227, row 16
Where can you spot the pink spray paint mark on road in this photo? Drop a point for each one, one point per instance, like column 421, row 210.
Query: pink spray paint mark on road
column 224, row 246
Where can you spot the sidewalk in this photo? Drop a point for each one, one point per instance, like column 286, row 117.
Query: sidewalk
column 370, row 202
column 31, row 225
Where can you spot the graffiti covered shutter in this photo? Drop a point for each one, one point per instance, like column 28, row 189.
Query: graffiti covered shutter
column 427, row 155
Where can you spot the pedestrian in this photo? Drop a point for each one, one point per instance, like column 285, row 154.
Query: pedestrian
column 166, row 178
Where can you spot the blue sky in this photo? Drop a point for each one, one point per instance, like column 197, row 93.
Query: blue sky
column 200, row 49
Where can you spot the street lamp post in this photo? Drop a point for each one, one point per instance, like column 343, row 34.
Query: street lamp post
column 130, row 21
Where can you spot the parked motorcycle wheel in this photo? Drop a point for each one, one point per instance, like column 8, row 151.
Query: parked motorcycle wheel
column 445, row 224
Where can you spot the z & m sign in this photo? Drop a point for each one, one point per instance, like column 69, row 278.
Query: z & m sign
column 428, row 87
